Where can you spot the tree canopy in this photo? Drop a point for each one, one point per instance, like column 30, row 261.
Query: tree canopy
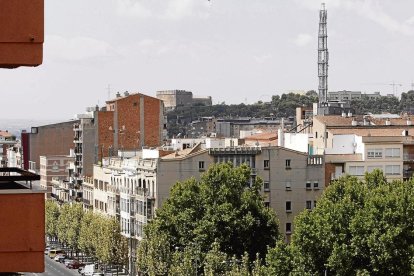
column 358, row 228
column 222, row 208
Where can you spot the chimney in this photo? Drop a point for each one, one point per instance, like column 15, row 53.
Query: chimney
column 343, row 114
column 409, row 122
column 126, row 93
column 349, row 114
column 118, row 95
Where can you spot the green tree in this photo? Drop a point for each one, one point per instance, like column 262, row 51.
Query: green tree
column 360, row 227
column 87, row 233
column 63, row 224
column 221, row 207
column 52, row 216
column 215, row 262
column 72, row 231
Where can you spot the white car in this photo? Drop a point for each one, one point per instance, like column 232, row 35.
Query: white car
column 59, row 257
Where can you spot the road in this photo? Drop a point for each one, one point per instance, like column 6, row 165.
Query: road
column 53, row 268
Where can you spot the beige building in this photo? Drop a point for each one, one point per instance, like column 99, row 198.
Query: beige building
column 53, row 166
column 132, row 189
column 358, row 144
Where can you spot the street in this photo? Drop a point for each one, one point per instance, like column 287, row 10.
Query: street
column 53, row 268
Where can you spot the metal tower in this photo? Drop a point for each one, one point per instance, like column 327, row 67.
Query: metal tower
column 323, row 56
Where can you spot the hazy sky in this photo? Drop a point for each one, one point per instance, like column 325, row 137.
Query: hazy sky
column 234, row 50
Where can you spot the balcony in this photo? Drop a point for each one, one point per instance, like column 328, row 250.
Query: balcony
column 315, row 160
column 22, row 236
column 86, row 202
column 408, row 157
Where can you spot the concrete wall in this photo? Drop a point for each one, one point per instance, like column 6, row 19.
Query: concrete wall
column 22, row 232
column 296, row 141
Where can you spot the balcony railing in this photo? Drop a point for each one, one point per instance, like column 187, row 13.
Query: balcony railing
column 86, row 201
column 315, row 160
column 408, row 157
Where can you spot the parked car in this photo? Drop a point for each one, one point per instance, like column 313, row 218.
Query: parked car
column 67, row 261
column 54, row 252
column 75, row 265
column 90, row 269
column 60, row 258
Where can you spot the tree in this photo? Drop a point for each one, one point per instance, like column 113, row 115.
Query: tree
column 220, row 208
column 72, row 231
column 87, row 233
column 360, row 227
column 63, row 223
column 52, row 217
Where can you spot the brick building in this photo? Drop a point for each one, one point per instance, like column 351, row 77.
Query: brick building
column 53, row 166
column 53, row 139
column 127, row 123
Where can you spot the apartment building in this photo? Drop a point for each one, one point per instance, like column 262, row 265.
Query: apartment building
column 7, row 140
column 84, row 144
column 359, row 144
column 346, row 95
column 128, row 123
column 132, row 189
column 53, row 139
column 53, row 167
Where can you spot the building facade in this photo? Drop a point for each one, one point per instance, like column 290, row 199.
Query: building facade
column 53, row 167
column 53, row 139
column 128, row 123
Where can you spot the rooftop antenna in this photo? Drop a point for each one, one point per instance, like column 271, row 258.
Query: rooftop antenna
column 323, row 56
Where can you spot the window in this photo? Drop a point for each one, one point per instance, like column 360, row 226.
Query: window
column 316, row 185
column 316, row 134
column 201, row 165
column 266, row 164
column 288, row 206
column 392, row 169
column 374, row 153
column 288, row 185
column 267, row 204
column 266, row 186
column 356, row 170
column 288, row 228
column 308, row 185
column 287, row 163
column 393, row 153
column 314, row 204
column 309, row 204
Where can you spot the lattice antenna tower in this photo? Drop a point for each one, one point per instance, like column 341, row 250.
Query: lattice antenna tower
column 323, row 56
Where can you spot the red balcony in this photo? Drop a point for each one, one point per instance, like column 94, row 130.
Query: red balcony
column 21, row 33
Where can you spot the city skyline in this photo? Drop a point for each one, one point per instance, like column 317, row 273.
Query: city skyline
column 234, row 51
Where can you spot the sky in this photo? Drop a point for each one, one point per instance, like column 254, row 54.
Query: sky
column 233, row 50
